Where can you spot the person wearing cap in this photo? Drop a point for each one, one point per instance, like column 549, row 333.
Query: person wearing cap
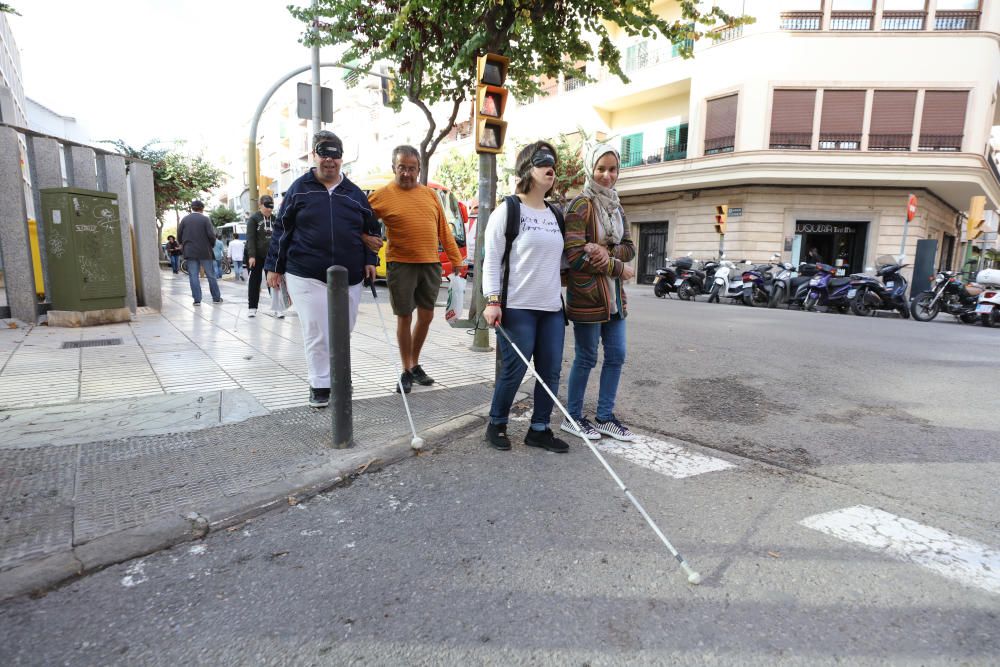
column 322, row 222
column 196, row 234
column 598, row 249
column 416, row 228
column 528, row 305
column 259, row 230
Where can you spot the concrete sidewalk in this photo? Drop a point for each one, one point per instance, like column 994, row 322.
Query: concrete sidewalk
column 139, row 435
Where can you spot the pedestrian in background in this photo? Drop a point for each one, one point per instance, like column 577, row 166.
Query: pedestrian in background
column 235, row 251
column 259, row 231
column 598, row 245
column 219, row 250
column 197, row 238
column 530, row 310
column 416, row 228
column 322, row 221
column 174, row 253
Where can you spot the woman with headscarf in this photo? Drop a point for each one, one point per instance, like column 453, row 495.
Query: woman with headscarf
column 598, row 247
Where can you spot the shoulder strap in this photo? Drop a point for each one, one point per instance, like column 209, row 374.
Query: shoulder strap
column 559, row 217
column 513, row 227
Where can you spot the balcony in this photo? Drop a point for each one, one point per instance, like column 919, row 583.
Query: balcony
column 573, row 83
column 904, row 20
column 852, row 20
column 955, row 20
column 727, row 33
column 801, row 21
column 940, row 142
column 720, row 145
column 839, row 142
column 797, row 141
column 889, row 142
column 665, row 154
column 642, row 56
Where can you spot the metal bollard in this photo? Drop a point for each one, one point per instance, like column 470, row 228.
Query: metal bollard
column 338, row 309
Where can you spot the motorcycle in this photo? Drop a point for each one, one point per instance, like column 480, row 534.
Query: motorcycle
column 757, row 284
column 825, row 289
column 786, row 282
column 663, row 283
column 690, row 281
column 720, row 279
column 988, row 306
column 868, row 295
column 948, row 294
column 798, row 288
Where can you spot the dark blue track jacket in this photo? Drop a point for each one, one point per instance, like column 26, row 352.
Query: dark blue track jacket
column 316, row 229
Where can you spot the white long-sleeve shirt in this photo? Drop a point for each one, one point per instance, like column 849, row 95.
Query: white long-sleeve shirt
column 535, row 259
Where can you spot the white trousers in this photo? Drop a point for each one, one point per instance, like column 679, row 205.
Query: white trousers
column 309, row 297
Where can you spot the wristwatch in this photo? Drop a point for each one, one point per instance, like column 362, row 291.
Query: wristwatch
column 493, row 300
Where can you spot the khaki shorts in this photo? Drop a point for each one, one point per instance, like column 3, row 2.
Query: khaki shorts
column 412, row 286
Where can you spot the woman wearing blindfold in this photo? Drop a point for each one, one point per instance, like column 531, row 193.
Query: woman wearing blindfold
column 521, row 284
column 598, row 245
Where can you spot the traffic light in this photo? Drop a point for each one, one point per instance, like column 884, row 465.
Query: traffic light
column 721, row 212
column 977, row 218
column 491, row 101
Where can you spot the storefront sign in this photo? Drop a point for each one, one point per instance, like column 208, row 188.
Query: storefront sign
column 821, row 228
column 735, row 211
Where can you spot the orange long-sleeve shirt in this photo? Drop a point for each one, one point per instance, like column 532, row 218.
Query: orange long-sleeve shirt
column 415, row 225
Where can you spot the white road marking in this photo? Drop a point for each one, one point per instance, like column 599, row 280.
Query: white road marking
column 663, row 457
column 949, row 555
column 198, row 549
column 135, row 574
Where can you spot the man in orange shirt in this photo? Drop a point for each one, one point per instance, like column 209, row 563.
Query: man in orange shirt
column 415, row 228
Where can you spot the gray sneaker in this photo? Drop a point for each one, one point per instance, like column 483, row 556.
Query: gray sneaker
column 586, row 428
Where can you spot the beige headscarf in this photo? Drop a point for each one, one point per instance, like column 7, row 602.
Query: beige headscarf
column 604, row 200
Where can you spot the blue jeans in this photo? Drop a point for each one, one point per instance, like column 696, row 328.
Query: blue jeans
column 213, row 286
column 218, row 268
column 586, row 336
column 175, row 262
column 538, row 334
column 238, row 270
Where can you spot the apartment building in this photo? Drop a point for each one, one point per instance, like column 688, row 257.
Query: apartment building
column 813, row 125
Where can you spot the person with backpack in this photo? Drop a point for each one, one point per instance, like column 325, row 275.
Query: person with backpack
column 598, row 245
column 522, row 260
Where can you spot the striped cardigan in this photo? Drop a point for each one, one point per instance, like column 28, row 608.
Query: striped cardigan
column 587, row 295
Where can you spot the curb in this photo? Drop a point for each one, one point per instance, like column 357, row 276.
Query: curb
column 39, row 576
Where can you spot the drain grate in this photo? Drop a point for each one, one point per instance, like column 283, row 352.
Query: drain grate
column 94, row 342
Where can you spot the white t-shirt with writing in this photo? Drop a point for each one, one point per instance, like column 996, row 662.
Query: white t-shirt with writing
column 535, row 259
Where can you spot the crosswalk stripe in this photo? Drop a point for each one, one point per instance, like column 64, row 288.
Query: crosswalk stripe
column 948, row 555
column 663, row 457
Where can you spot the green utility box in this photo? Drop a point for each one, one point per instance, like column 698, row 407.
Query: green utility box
column 83, row 242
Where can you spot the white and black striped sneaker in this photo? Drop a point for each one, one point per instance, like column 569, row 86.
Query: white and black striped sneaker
column 615, row 429
column 586, row 428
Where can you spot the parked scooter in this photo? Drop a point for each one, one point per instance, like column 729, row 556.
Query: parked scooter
column 663, row 283
column 988, row 307
column 949, row 294
column 757, row 284
column 690, row 281
column 868, row 295
column 785, row 282
column 826, row 289
column 720, row 279
column 798, row 288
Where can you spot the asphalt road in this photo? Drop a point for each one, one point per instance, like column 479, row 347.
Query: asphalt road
column 465, row 555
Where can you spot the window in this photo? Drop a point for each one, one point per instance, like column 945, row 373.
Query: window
column 852, row 15
column 676, row 145
column 792, row 119
column 957, row 5
column 892, row 120
column 943, row 123
column 636, row 56
column 801, row 14
column 853, row 5
column 720, row 124
column 842, row 121
column 632, row 150
column 957, row 15
column 904, row 5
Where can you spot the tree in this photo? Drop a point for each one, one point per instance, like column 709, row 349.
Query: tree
column 460, row 172
column 177, row 178
column 7, row 9
column 431, row 46
column 221, row 215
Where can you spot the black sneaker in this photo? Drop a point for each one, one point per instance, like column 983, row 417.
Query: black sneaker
column 496, row 436
column 546, row 440
column 420, row 377
column 216, row 300
column 406, row 379
column 319, row 398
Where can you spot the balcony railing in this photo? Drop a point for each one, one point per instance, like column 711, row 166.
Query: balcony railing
column 799, row 141
column 648, row 58
column 889, row 142
column 801, row 20
column 903, row 20
column 665, row 154
column 727, row 33
column 954, row 20
column 573, row 84
column 840, row 142
column 940, row 142
column 720, row 145
column 852, row 20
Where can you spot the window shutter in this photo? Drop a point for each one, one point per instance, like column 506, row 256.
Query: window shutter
column 943, row 123
column 676, row 146
column 792, row 119
column 892, row 120
column 843, row 120
column 720, row 124
column 632, row 150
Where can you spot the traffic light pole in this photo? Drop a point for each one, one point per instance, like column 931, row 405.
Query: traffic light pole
column 317, row 111
column 487, row 198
